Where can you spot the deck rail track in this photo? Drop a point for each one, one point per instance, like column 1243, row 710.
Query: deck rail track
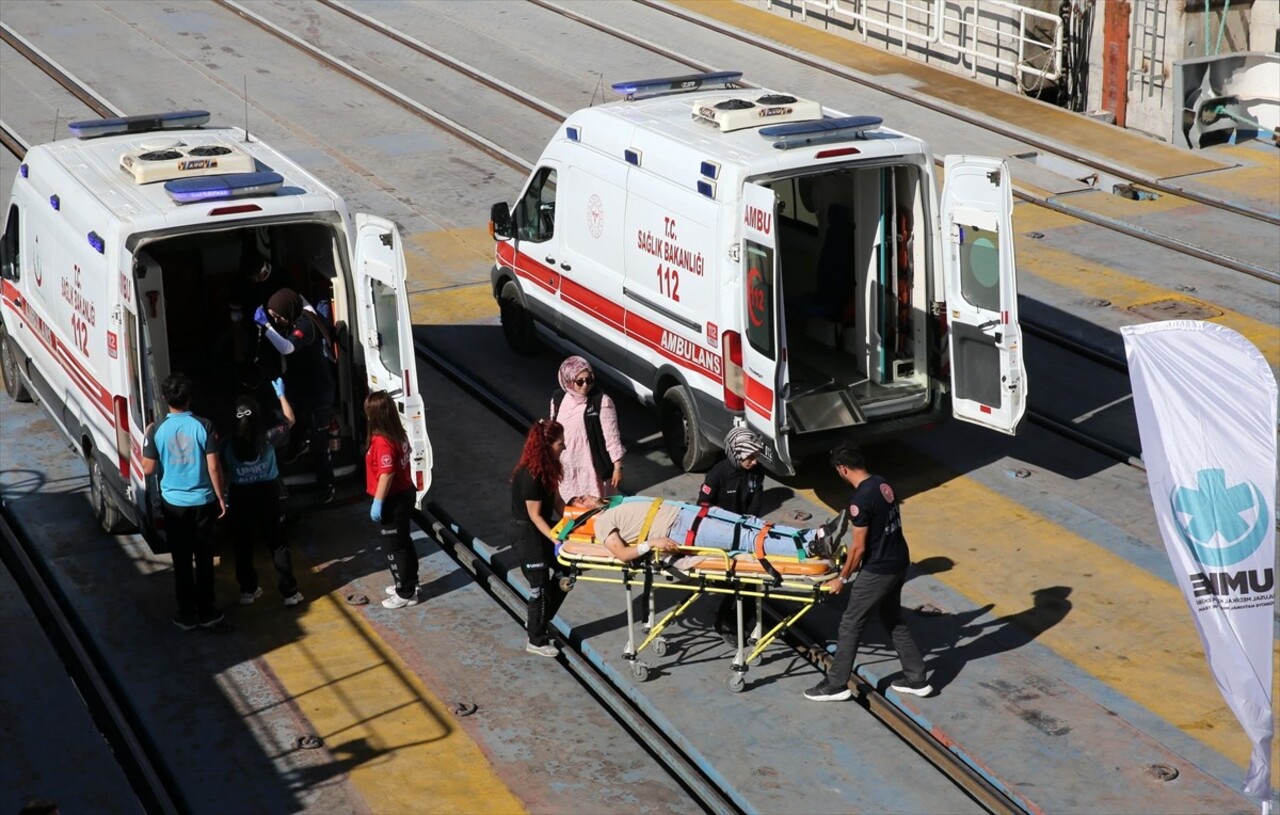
column 142, row 762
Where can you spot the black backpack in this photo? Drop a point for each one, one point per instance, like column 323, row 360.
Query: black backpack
column 595, row 433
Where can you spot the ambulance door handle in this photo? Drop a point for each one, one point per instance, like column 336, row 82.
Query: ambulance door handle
column 550, row 260
column 566, row 267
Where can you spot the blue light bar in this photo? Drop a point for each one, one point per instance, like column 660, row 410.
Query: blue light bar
column 142, row 123
column 95, row 240
column 688, row 82
column 222, row 187
column 844, row 127
column 574, row 133
column 711, row 169
column 56, row 203
column 632, row 156
column 22, row 170
column 707, row 188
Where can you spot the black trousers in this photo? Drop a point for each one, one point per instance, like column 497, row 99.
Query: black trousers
column 401, row 555
column 255, row 513
column 190, row 534
column 881, row 593
column 537, row 562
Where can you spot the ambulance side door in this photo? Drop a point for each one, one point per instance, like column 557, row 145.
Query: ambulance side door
column 385, row 332
column 763, row 344
column 538, row 244
column 988, row 377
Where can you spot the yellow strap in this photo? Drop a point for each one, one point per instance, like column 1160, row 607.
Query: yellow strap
column 648, row 520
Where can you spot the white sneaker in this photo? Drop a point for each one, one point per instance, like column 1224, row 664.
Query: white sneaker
column 247, row 597
column 396, row 601
column 547, row 650
column 294, row 599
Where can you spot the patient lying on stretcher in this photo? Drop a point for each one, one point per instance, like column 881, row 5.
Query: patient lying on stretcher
column 655, row 524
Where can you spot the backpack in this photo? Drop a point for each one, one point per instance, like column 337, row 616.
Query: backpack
column 600, row 459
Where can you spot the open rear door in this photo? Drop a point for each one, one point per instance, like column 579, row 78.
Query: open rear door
column 386, row 332
column 764, row 343
column 988, row 378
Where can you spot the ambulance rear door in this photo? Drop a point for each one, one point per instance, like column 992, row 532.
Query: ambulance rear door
column 764, row 344
column 385, row 331
column 988, row 377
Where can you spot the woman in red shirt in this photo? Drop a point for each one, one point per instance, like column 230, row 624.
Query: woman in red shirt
column 388, row 480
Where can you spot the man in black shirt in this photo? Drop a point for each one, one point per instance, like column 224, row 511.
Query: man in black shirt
column 878, row 553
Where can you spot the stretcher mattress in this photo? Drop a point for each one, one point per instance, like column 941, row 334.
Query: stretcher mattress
column 579, row 547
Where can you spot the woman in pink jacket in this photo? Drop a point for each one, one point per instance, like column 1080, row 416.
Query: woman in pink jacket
column 592, row 457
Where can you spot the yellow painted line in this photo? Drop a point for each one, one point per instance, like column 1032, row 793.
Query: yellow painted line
column 1131, row 149
column 1094, row 280
column 396, row 740
column 1126, row 627
column 455, row 306
column 448, row 257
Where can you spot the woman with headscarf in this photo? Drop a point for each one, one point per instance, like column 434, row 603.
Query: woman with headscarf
column 735, row 484
column 295, row 330
column 592, row 457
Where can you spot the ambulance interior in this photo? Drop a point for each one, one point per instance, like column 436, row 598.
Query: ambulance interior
column 853, row 306
column 186, row 285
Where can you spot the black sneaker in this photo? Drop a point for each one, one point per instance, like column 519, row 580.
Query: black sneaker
column 218, row 625
column 822, row 692
column 326, row 494
column 920, row 688
column 187, row 622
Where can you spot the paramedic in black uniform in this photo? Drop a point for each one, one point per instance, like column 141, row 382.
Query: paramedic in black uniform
column 300, row 334
column 736, row 484
column 875, row 569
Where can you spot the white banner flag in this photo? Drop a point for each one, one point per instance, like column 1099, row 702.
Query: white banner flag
column 1206, row 404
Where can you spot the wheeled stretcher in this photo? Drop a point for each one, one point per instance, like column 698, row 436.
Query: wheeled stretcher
column 793, row 583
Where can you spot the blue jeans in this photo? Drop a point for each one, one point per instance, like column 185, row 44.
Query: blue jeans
column 732, row 532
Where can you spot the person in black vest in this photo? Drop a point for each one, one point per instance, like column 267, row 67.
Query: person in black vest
column 302, row 336
column 735, row 484
column 592, row 457
column 875, row 569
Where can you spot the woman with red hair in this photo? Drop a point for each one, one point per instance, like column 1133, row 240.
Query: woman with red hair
column 535, row 501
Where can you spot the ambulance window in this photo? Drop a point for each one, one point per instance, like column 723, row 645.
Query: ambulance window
column 385, row 315
column 536, row 212
column 760, row 298
column 980, row 267
column 10, row 268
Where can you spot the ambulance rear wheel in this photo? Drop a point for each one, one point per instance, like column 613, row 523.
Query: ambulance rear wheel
column 109, row 516
column 682, row 434
column 517, row 324
column 12, row 375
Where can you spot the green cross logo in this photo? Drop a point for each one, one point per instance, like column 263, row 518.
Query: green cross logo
column 1215, row 511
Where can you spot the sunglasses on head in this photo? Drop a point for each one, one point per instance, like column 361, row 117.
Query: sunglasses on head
column 584, row 380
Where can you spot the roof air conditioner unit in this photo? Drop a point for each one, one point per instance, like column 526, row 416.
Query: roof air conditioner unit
column 770, row 109
column 185, row 161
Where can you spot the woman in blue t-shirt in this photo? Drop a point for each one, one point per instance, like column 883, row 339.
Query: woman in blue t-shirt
column 254, row 509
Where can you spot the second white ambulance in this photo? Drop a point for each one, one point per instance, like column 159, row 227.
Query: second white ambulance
column 746, row 256
column 120, row 249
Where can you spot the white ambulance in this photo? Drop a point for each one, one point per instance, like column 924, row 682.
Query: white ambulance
column 746, row 256
column 120, row 248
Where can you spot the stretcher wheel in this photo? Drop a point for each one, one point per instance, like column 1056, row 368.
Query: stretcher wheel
column 736, row 682
column 755, row 663
column 640, row 671
column 566, row 583
column 659, row 646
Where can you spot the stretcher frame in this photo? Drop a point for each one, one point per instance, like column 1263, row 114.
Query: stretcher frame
column 705, row 571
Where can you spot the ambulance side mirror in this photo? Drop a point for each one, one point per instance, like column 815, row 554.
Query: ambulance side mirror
column 500, row 226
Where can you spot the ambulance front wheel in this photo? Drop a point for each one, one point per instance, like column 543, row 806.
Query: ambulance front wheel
column 12, row 375
column 109, row 516
column 682, row 434
column 517, row 324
